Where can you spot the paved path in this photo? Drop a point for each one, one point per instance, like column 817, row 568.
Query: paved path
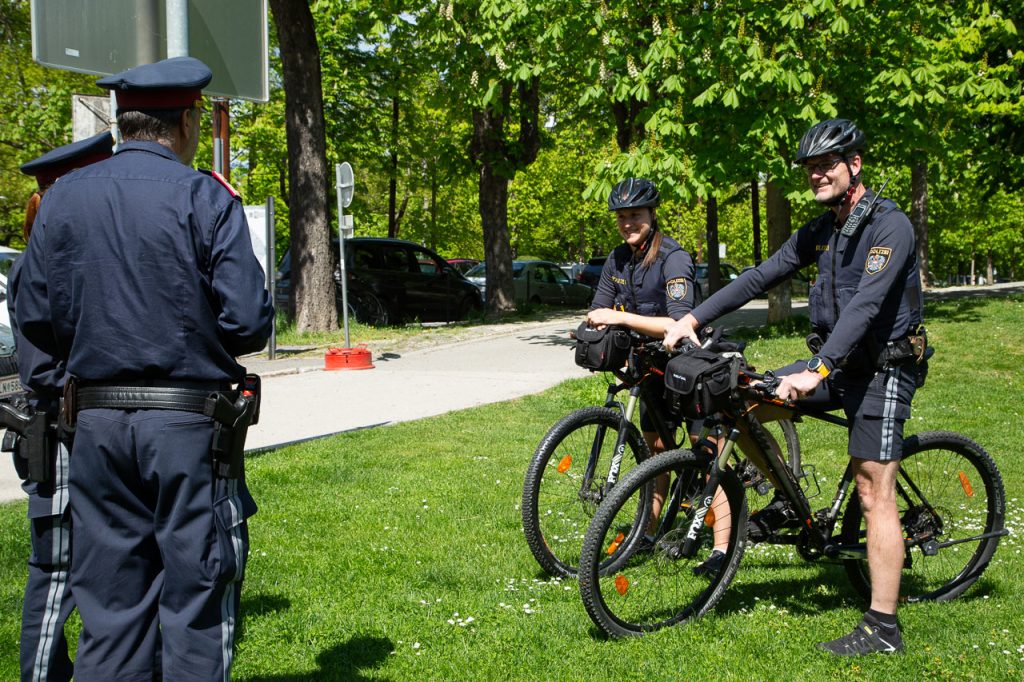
column 497, row 362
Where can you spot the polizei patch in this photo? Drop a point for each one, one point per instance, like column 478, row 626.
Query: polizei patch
column 878, row 258
column 676, row 289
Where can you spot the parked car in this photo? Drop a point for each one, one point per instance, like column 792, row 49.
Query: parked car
column 727, row 273
column 5, row 316
column 538, row 281
column 572, row 270
column 463, row 265
column 7, row 258
column 390, row 280
column 591, row 272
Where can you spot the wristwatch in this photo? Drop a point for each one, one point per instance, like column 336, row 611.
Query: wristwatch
column 816, row 364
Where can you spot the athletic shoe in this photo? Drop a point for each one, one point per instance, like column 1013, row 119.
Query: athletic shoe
column 711, row 566
column 866, row 638
column 778, row 514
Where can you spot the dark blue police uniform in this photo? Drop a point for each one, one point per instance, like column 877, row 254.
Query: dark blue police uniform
column 867, row 299
column 665, row 289
column 48, row 598
column 140, row 275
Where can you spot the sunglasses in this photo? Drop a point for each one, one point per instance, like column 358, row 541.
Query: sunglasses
column 822, row 167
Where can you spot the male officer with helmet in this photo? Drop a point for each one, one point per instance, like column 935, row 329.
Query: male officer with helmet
column 140, row 276
column 866, row 313
column 44, row 465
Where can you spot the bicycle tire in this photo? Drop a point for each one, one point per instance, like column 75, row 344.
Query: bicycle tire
column 555, row 511
column 964, row 486
column 653, row 587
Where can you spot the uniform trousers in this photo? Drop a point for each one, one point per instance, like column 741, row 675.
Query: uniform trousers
column 161, row 544
column 48, row 601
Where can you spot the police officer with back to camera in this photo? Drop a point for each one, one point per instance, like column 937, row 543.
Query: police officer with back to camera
column 866, row 314
column 41, row 453
column 646, row 284
column 140, row 276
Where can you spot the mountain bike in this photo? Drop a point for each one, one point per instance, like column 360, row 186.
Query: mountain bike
column 949, row 492
column 582, row 457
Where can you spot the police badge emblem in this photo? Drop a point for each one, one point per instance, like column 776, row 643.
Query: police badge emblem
column 878, row 258
column 676, row 289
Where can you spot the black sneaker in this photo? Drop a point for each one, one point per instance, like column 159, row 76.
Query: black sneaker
column 866, row 638
column 711, row 566
column 778, row 514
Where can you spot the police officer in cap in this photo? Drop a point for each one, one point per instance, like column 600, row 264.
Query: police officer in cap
column 866, row 312
column 48, row 599
column 140, row 276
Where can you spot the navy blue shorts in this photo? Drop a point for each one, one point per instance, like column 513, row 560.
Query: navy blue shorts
column 877, row 406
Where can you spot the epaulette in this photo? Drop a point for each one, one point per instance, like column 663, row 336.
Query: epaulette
column 222, row 180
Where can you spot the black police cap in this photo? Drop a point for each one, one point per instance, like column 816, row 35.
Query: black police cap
column 55, row 163
column 169, row 84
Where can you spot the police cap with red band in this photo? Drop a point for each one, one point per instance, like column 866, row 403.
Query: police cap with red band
column 55, row 163
column 169, row 84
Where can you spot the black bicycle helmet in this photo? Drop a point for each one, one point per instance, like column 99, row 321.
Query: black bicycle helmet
column 633, row 193
column 836, row 135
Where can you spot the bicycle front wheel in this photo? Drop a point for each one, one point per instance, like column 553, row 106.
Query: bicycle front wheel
column 567, row 479
column 952, row 507
column 654, row 585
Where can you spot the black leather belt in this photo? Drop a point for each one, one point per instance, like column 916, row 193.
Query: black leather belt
column 128, row 397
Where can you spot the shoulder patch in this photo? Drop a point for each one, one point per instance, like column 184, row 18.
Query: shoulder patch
column 878, row 258
column 675, row 289
column 223, row 181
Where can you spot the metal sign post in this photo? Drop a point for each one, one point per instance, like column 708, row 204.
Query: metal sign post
column 271, row 276
column 345, row 186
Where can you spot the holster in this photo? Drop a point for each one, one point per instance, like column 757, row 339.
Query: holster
column 231, row 425
column 27, row 438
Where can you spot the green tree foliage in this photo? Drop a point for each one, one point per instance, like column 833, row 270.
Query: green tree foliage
column 35, row 114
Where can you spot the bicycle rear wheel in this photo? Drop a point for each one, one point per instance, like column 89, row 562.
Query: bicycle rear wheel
column 653, row 586
column 952, row 506
column 560, row 495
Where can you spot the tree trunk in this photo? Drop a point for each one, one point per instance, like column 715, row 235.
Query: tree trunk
column 714, row 264
column 755, row 216
column 498, row 161
column 312, row 264
column 627, row 129
column 780, row 226
column 919, row 213
column 393, row 180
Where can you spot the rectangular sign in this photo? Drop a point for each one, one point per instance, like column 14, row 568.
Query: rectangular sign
column 107, row 37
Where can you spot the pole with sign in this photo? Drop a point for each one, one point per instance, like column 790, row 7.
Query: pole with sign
column 345, row 186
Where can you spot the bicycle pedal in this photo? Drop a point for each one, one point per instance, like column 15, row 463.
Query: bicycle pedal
column 763, row 488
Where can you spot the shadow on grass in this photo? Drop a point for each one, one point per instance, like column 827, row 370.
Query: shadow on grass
column 341, row 662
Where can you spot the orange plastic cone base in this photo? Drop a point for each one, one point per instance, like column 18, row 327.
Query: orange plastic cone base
column 347, row 358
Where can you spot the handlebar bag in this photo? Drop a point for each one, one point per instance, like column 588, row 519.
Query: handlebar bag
column 703, row 382
column 601, row 350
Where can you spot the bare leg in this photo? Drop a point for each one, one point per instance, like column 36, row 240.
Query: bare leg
column 660, row 483
column 876, row 486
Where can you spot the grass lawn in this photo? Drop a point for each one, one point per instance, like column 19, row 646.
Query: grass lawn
column 396, row 553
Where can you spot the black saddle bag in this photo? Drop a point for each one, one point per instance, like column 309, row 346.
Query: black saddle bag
column 702, row 383
column 601, row 350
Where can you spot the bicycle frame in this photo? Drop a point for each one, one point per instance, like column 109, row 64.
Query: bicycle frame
column 636, row 379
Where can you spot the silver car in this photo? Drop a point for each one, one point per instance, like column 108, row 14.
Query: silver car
column 538, row 281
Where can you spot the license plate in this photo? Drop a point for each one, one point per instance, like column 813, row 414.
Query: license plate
column 9, row 386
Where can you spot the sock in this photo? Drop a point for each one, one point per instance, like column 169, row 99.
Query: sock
column 887, row 620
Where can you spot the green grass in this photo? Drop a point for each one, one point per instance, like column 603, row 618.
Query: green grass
column 372, row 551
column 402, row 335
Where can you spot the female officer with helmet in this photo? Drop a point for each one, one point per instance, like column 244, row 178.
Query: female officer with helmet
column 646, row 283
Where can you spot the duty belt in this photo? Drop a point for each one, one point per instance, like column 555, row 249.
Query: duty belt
column 232, row 411
column 126, row 397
